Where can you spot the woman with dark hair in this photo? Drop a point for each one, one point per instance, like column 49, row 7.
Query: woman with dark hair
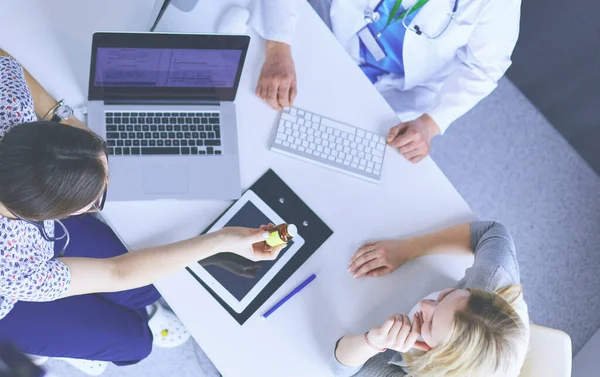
column 72, row 290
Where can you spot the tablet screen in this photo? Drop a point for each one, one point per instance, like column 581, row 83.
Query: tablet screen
column 237, row 274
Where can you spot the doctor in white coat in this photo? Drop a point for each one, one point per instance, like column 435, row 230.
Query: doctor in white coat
column 433, row 60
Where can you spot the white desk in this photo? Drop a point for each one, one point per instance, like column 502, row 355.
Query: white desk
column 298, row 339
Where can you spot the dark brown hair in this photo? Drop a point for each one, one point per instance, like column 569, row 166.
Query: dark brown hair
column 50, row 170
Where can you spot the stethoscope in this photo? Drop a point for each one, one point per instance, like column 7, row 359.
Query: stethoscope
column 39, row 225
column 371, row 16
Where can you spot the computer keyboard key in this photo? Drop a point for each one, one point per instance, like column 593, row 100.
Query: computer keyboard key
column 217, row 152
column 200, row 143
column 185, row 150
column 211, row 142
column 204, row 120
column 136, row 143
column 194, row 150
column 209, row 127
column 135, row 151
column 152, row 143
column 128, row 143
column 201, row 152
column 160, row 150
column 177, row 128
column 203, row 135
column 118, row 151
column 110, row 150
column 209, row 150
column 112, row 135
column 159, row 143
column 120, row 143
column 126, row 151
column 122, row 128
column 184, row 143
column 175, row 142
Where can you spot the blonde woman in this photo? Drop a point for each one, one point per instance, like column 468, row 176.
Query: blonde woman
column 478, row 328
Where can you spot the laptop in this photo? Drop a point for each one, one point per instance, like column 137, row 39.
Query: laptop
column 164, row 105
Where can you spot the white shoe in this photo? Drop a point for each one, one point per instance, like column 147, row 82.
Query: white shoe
column 167, row 329
column 38, row 360
column 89, row 367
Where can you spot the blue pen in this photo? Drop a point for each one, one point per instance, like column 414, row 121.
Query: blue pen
column 292, row 294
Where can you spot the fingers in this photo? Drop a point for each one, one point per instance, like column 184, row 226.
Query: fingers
column 293, row 91
column 283, row 94
column 387, row 325
column 271, row 96
column 368, row 267
column 398, row 324
column 402, row 135
column 414, row 160
column 363, row 259
column 361, row 250
column 412, row 336
column 404, row 331
column 394, row 131
column 421, row 346
column 379, row 271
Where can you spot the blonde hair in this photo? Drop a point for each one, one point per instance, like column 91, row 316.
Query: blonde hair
column 487, row 338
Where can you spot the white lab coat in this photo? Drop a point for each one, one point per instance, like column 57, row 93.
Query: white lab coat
column 444, row 77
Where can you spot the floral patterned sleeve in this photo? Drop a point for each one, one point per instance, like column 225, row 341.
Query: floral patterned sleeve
column 28, row 271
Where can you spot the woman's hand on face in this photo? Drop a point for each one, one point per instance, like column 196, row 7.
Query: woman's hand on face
column 249, row 243
column 378, row 258
column 399, row 334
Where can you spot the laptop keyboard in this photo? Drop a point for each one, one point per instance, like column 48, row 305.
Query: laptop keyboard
column 163, row 133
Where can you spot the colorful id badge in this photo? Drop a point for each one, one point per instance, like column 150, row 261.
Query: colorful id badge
column 371, row 43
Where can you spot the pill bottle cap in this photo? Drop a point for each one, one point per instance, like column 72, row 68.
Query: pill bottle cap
column 292, row 230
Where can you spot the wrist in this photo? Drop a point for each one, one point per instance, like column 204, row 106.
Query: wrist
column 209, row 244
column 432, row 126
column 372, row 345
column 274, row 48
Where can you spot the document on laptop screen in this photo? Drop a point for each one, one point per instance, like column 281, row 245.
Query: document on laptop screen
column 165, row 67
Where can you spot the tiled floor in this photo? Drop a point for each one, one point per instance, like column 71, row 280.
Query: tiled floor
column 510, row 165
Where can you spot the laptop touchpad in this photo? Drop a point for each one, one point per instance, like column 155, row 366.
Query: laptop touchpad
column 162, row 178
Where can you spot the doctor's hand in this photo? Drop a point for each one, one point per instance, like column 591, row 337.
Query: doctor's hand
column 413, row 138
column 379, row 258
column 248, row 243
column 399, row 334
column 277, row 81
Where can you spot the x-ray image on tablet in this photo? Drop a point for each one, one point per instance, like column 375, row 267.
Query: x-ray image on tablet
column 237, row 280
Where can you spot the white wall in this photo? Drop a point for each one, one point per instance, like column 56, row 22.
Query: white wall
column 53, row 38
column 587, row 361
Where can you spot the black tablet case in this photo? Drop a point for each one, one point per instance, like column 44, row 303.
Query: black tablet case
column 271, row 188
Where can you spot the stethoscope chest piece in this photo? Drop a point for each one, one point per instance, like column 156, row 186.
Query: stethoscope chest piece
column 371, row 16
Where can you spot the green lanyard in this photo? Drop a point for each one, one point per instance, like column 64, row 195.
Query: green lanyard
column 393, row 17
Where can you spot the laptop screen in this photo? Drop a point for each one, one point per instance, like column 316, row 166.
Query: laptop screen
column 166, row 66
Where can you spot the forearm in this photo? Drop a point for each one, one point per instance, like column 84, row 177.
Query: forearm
column 458, row 236
column 143, row 267
column 353, row 351
column 137, row 268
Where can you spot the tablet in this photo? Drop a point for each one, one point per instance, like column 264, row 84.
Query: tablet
column 237, row 280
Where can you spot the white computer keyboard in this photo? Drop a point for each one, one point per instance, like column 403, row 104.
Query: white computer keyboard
column 326, row 142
